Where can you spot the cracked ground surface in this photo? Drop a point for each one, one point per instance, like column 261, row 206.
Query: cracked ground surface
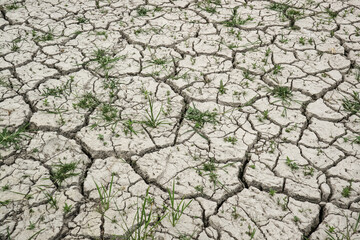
column 250, row 109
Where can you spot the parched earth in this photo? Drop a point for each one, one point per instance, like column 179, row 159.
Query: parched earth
column 180, row 119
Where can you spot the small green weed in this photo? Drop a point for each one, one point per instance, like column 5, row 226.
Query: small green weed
column 356, row 140
column 12, row 6
column 283, row 203
column 347, row 234
column 331, row 13
column 346, row 190
column 272, row 192
column 145, row 221
column 12, row 138
column 153, row 120
column 5, row 188
column 277, row 69
column 81, row 20
column 104, row 59
column 209, row 5
column 108, row 112
column 128, row 127
column 247, row 75
column 296, row 219
column 141, row 11
column 308, row 171
column 62, row 171
column 178, row 209
column 236, row 20
column 87, row 101
column 352, row 105
column 251, row 232
column 105, row 195
column 264, row 116
column 231, row 140
column 159, row 61
column 357, row 74
column 200, row 118
column 222, row 89
column 279, row 7
column 59, row 91
column 50, row 198
column 31, row 226
column 67, row 208
column 284, row 94
column 47, row 36
column 291, row 164
column 5, row 203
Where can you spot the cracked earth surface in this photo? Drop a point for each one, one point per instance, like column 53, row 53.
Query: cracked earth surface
column 250, row 108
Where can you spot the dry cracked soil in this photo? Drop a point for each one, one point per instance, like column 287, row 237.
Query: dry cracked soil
column 180, row 119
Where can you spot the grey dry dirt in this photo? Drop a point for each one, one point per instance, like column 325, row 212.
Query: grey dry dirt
column 179, row 119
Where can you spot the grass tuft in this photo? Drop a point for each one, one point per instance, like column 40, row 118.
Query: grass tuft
column 63, row 171
column 352, row 105
column 200, row 118
column 12, row 138
column 153, row 120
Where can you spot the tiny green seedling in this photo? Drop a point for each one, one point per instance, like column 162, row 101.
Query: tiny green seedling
column 346, row 234
column 12, row 138
column 87, row 101
column 105, row 195
column 230, row 139
column 14, row 45
column 277, row 69
column 308, row 171
column 47, row 36
column 159, row 61
column 272, row 192
column 199, row 188
column 31, row 226
column 67, row 208
column 153, row 120
column 222, row 89
column 81, row 20
column 272, row 146
column 284, row 94
column 346, row 190
column 104, row 59
column 352, row 105
column 200, row 118
column 12, row 6
column 283, row 203
column 356, row 140
column 5, row 203
column 108, row 112
column 59, row 91
column 247, row 75
column 236, row 20
column 5, row 188
column 264, row 116
column 176, row 210
column 331, row 13
column 292, row 164
column 234, row 213
column 144, row 221
column 63, row 171
column 50, row 198
column 142, row 11
column 36, row 234
column 251, row 232
column 129, row 127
